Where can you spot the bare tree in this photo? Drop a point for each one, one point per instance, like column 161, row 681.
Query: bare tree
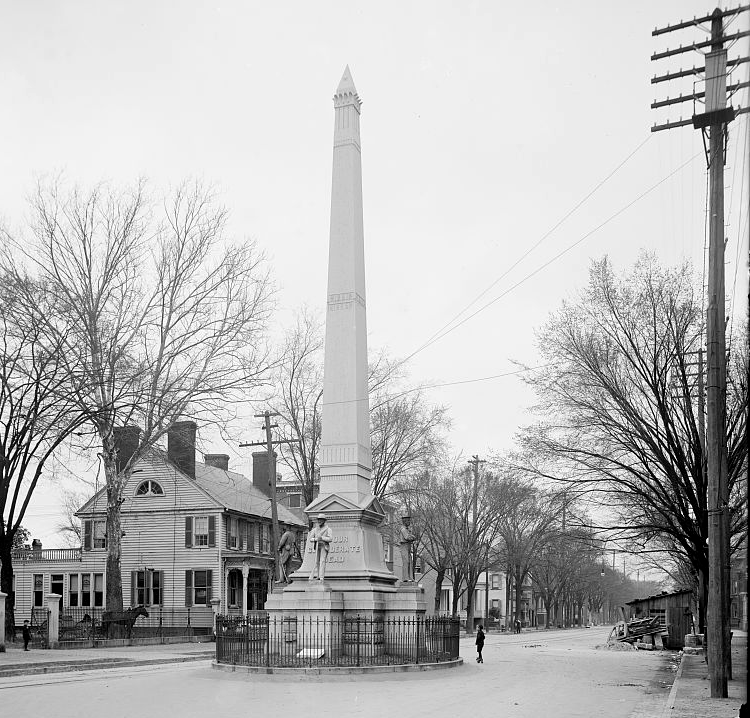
column 406, row 432
column 159, row 318
column 37, row 412
column 620, row 407
column 299, row 392
column 526, row 528
column 429, row 499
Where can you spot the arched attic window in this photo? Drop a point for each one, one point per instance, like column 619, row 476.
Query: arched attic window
column 149, row 488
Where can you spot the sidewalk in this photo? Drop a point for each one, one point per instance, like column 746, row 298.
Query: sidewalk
column 690, row 696
column 16, row 662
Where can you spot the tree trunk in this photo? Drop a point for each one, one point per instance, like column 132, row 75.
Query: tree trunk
column 547, row 607
column 456, row 596
column 508, row 591
column 114, row 483
column 519, row 590
column 469, row 610
column 440, row 575
column 6, row 586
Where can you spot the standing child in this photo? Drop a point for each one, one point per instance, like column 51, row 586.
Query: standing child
column 480, row 643
column 26, row 635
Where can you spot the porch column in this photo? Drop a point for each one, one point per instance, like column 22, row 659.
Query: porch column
column 225, row 597
column 245, row 572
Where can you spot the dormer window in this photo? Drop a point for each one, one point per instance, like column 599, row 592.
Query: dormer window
column 149, row 488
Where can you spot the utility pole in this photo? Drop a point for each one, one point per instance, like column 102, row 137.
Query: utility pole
column 269, row 444
column 474, row 463
column 716, row 119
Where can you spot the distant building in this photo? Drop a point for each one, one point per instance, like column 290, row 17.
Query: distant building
column 738, row 588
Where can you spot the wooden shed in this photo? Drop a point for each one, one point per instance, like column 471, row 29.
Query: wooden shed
column 674, row 612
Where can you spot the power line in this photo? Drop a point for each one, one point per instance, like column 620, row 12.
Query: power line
column 570, row 212
column 421, row 387
column 556, row 257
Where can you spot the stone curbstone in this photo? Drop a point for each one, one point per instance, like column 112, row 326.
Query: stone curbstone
column 336, row 670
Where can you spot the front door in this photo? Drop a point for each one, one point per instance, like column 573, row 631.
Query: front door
column 257, row 590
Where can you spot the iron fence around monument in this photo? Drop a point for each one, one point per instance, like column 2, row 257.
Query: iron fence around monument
column 259, row 639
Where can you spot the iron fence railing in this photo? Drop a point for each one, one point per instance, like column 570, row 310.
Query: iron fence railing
column 259, row 639
column 83, row 623
column 38, row 627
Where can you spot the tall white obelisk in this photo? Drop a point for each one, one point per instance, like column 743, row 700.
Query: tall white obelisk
column 353, row 513
column 357, row 578
column 346, row 458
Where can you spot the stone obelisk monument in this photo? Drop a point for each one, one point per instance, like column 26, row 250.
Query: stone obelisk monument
column 357, row 579
column 355, row 560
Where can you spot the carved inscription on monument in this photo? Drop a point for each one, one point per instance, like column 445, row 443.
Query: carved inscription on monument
column 340, row 547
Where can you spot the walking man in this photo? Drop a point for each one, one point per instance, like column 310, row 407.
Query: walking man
column 26, row 635
column 480, row 643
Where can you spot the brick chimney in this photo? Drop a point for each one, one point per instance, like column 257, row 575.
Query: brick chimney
column 181, row 446
column 127, row 439
column 261, row 477
column 218, row 461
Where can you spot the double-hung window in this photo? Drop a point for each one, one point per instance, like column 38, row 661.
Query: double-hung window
column 198, row 586
column 94, row 534
column 86, row 589
column 38, row 590
column 200, row 531
column 146, row 587
column 495, row 578
column 232, row 532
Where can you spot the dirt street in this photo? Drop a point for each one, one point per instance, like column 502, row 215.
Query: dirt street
column 556, row 673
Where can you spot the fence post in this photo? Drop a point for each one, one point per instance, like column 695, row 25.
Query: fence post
column 418, row 637
column 53, row 619
column 2, row 621
column 358, row 639
column 161, row 623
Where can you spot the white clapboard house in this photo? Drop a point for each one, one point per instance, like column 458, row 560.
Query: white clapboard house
column 192, row 531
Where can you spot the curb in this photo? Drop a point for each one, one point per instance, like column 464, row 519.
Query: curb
column 672, row 698
column 336, row 671
column 101, row 664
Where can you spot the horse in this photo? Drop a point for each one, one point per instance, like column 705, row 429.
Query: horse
column 125, row 619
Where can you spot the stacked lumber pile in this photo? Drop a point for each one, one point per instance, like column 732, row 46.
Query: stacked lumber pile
column 638, row 630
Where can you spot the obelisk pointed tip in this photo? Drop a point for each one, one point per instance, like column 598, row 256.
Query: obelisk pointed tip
column 346, row 84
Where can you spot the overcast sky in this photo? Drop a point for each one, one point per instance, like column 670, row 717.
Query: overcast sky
column 483, row 125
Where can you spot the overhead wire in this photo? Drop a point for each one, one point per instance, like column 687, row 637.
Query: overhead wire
column 564, row 218
column 556, row 257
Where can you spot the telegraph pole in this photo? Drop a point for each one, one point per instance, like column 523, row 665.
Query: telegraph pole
column 716, row 119
column 474, row 463
column 269, row 444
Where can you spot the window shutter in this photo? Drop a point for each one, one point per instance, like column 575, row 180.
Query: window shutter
column 133, row 579
column 212, row 531
column 243, row 535
column 209, row 589
column 188, row 532
column 229, row 530
column 188, row 588
column 161, row 588
column 87, row 535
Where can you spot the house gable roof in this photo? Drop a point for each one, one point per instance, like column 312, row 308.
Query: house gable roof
column 213, row 486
